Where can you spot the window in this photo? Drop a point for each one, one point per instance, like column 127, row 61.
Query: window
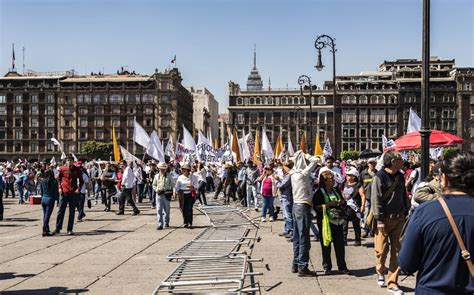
column 3, row 110
column 353, row 99
column 17, row 122
column 349, row 131
column 377, row 115
column 345, row 99
column 116, row 98
column 449, row 125
column 363, row 132
column 349, row 116
column 82, row 135
column 381, row 99
column 87, row 98
column 99, row 98
column 164, row 98
column 240, row 118
column 99, row 122
column 392, row 116
column 49, row 133
column 239, row 100
column 18, row 110
column 50, row 110
column 2, row 122
column 392, row 131
column 164, row 85
column 148, row 110
column 115, row 110
column 18, row 134
column 363, row 99
column 80, row 98
column 49, row 147
column 373, row 99
column 83, row 122
column 34, row 110
column 115, row 121
column 67, row 135
column 34, row 122
column 392, row 99
column 50, row 98
column 83, row 111
column 165, row 122
column 448, row 97
column 34, row 98
column 131, row 110
column 268, row 118
column 17, row 147
column 2, row 134
column 50, row 122
column 99, row 110
column 363, row 116
column 322, row 100
column 2, row 147
column 432, row 113
column 148, row 122
column 3, row 98
column 99, row 134
column 322, row 118
column 33, row 147
column 34, row 134
column 18, row 98
column 448, row 114
column 147, row 98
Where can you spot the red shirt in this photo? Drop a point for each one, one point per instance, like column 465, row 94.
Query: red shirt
column 119, row 179
column 70, row 179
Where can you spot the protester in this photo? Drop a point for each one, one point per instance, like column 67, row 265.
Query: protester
column 332, row 199
column 2, row 186
column 109, row 180
column 430, row 247
column 126, row 184
column 390, row 207
column 252, row 175
column 242, row 183
column 230, row 183
column 70, row 183
column 185, row 186
column 163, row 185
column 49, row 196
column 85, row 189
column 268, row 190
column 432, row 190
column 149, row 179
column 20, row 186
column 354, row 196
column 366, row 177
column 200, row 174
column 286, row 196
column 9, row 179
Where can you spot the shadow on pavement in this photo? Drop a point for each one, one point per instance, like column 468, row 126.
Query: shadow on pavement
column 50, row 290
column 101, row 232
column 21, row 219
column 364, row 272
column 12, row 275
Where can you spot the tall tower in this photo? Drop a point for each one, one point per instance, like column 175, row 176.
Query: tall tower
column 254, row 81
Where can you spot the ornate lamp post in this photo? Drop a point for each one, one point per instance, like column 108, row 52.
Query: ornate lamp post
column 425, row 92
column 305, row 80
column 321, row 42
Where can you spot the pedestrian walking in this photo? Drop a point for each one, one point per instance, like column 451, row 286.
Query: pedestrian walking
column 366, row 178
column 200, row 173
column 126, row 185
column 49, row 196
column 185, row 185
column 9, row 179
column 109, row 181
column 163, row 185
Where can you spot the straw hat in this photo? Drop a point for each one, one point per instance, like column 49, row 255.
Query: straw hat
column 162, row 165
column 186, row 167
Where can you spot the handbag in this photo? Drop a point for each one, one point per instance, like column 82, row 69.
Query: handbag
column 370, row 221
column 168, row 194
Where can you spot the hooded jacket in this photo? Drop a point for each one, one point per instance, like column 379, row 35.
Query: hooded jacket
column 301, row 181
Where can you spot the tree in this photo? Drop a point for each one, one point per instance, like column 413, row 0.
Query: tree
column 97, row 149
column 448, row 150
column 352, row 155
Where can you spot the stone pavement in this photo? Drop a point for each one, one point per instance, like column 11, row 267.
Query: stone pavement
column 126, row 255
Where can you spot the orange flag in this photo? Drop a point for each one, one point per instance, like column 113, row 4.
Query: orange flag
column 303, row 143
column 235, row 145
column 256, row 149
column 318, row 151
column 278, row 147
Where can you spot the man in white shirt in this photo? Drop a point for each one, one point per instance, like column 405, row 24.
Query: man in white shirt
column 128, row 180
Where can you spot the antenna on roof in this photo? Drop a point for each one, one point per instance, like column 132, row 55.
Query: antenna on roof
column 24, row 49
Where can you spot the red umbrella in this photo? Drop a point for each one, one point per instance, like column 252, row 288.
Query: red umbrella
column 412, row 140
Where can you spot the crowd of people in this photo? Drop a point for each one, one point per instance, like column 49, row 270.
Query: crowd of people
column 375, row 196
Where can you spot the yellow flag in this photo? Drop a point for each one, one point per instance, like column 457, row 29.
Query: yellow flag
column 235, row 145
column 278, row 146
column 318, row 151
column 216, row 146
column 116, row 146
column 256, row 149
column 303, row 143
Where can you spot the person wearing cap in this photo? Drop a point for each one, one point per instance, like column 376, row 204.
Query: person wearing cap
column 163, row 185
column 185, row 185
column 366, row 178
column 337, row 171
column 268, row 191
column 432, row 190
column 70, row 182
column 354, row 195
column 126, row 186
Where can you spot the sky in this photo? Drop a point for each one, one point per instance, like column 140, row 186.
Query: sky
column 213, row 40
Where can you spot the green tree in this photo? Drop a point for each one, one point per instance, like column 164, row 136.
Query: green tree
column 346, row 155
column 448, row 150
column 97, row 149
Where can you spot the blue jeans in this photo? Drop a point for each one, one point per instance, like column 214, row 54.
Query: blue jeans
column 162, row 204
column 267, row 206
column 287, row 214
column 20, row 190
column 80, row 206
column 301, row 241
column 252, row 193
column 48, row 205
column 151, row 195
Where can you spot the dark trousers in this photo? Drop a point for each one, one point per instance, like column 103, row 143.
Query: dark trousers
column 65, row 201
column 229, row 192
column 48, row 205
column 80, row 206
column 301, row 241
column 210, row 184
column 337, row 233
column 9, row 187
column 202, row 193
column 141, row 191
column 126, row 195
column 151, row 195
column 1, row 204
column 109, row 192
column 220, row 186
column 351, row 216
column 188, row 202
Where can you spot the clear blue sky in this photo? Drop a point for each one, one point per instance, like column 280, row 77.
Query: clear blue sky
column 213, row 39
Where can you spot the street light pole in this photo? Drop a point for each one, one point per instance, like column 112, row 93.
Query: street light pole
column 302, row 80
column 425, row 92
column 321, row 42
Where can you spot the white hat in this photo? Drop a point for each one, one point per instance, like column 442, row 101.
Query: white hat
column 353, row 172
column 324, row 169
column 162, row 165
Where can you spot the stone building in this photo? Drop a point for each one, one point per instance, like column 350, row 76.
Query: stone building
column 223, row 135
column 206, row 110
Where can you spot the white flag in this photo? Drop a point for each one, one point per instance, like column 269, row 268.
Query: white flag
column 154, row 149
column 140, row 136
column 74, row 157
column 53, row 161
column 327, row 150
column 209, row 136
column 414, row 122
column 291, row 151
column 435, row 153
column 245, row 147
column 188, row 140
column 203, row 139
column 169, row 150
column 387, row 143
column 267, row 149
column 201, row 147
column 63, row 156
column 127, row 156
column 55, row 141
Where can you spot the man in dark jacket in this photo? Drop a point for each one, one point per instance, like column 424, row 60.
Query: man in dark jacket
column 286, row 197
column 430, row 246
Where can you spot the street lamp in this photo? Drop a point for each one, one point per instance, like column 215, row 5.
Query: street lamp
column 425, row 92
column 302, row 80
column 297, row 123
column 321, row 42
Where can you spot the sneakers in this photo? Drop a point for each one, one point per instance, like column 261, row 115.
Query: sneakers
column 395, row 290
column 380, row 280
column 271, row 219
column 262, row 219
column 167, row 225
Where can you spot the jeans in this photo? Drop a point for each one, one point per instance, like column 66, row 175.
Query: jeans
column 151, row 195
column 188, row 202
column 252, row 193
column 20, row 190
column 202, row 193
column 210, row 184
column 301, row 241
column 287, row 214
column 126, row 195
column 80, row 206
column 71, row 200
column 140, row 191
column 162, row 204
column 337, row 233
column 267, row 206
column 48, row 205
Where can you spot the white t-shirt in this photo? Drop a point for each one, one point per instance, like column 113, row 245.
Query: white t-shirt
column 415, row 174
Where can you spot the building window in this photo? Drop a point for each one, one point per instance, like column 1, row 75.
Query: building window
column 3, row 110
column 363, row 132
column 148, row 110
column 239, row 101
column 268, row 118
column 116, row 98
column 322, row 100
column 34, row 98
column 131, row 110
column 2, row 122
column 33, row 147
column 392, row 131
column 17, row 147
column 99, row 122
column 392, row 116
column 148, row 122
column 18, row 98
column 99, row 110
column 2, row 147
column 99, row 98
column 2, row 134
column 82, row 135
column 18, row 134
column 50, row 122
column 49, row 134
column 165, row 123
column 99, row 134
column 448, row 97
column 240, row 118
column 449, row 125
column 116, row 121
column 34, row 122
column 349, row 116
column 322, row 118
column 353, row 99
column 83, row 122
column 67, row 135
column 49, row 147
column 345, row 99
column 80, row 98
column 363, row 116
column 115, row 110
column 373, row 99
column 349, row 131
column 50, row 110
column 34, row 110
column 83, row 111
column 18, row 110
column 3, row 98
column 34, row 134
column 147, row 98
column 50, row 98
column 381, row 99
column 377, row 115
column 17, row 122
column 448, row 114
column 164, row 98
column 392, row 99
column 164, row 85
column 363, row 99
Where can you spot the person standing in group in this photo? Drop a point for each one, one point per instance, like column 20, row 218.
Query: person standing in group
column 286, row 196
column 109, row 180
column 354, row 196
column 20, row 186
column 2, row 186
column 268, row 190
column 330, row 196
column 302, row 189
column 209, row 179
column 230, row 182
column 126, row 184
column 49, row 196
column 390, row 206
column 163, row 185
column 366, row 178
column 242, row 183
column 200, row 173
column 432, row 190
column 430, row 246
column 85, row 190
column 70, row 182
column 9, row 178
column 252, row 175
column 151, row 175
column 185, row 185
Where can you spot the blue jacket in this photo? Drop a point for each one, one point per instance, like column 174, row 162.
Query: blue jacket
column 430, row 247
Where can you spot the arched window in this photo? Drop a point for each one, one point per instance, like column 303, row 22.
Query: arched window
column 373, row 99
column 257, row 100
column 246, row 101
column 381, row 99
column 353, row 99
column 322, row 100
column 270, row 100
column 302, row 100
column 284, row 100
column 239, row 100
column 264, row 100
column 392, row 99
column 345, row 99
column 363, row 99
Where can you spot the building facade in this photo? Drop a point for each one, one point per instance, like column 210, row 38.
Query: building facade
column 366, row 107
column 75, row 109
column 223, row 136
column 206, row 110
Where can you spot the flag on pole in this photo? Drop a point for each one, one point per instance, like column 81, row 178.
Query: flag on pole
column 63, row 156
column 155, row 149
column 303, row 143
column 127, row 156
column 74, row 157
column 140, row 136
column 266, row 146
column 318, row 151
column 414, row 121
column 53, row 161
column 216, row 144
column 291, row 151
column 278, row 146
column 116, row 146
column 387, row 143
column 55, row 141
column 235, row 146
column 245, row 147
column 169, row 150
column 256, row 148
column 188, row 140
column 13, row 57
column 209, row 136
column 327, row 148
